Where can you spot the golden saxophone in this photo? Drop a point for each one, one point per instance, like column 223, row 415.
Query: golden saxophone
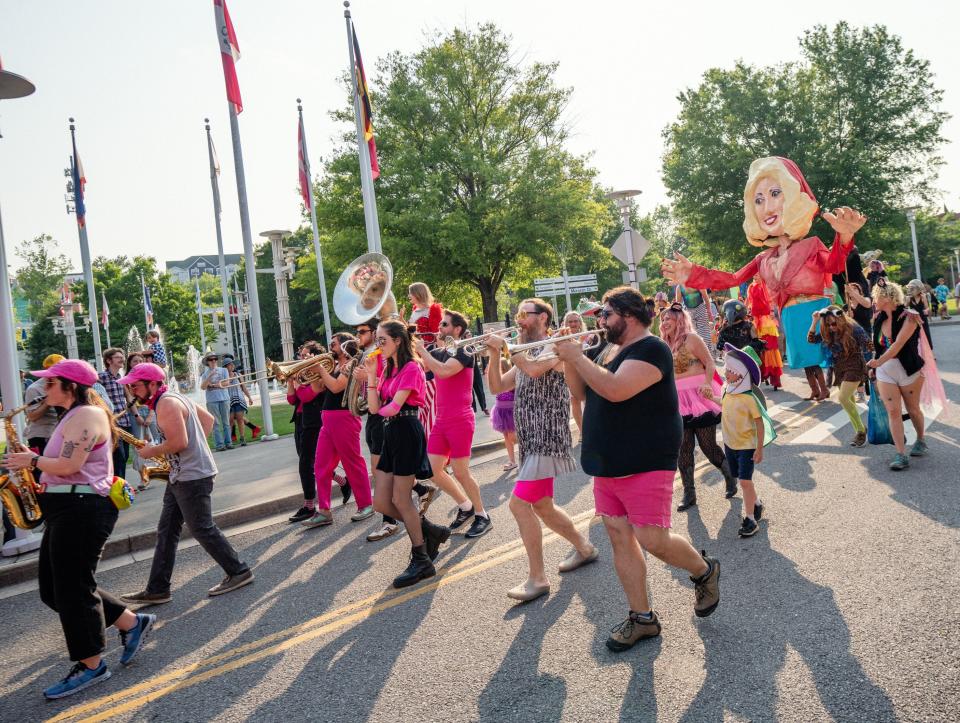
column 19, row 489
column 161, row 466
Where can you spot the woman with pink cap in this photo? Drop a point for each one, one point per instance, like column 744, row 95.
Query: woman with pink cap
column 77, row 467
column 779, row 209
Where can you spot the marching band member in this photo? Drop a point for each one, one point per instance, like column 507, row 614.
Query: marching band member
column 307, row 401
column 632, row 398
column 397, row 396
column 452, row 435
column 542, row 416
column 77, row 473
column 183, row 431
column 339, row 440
column 426, row 314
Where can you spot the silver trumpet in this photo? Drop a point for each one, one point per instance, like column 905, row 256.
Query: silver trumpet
column 514, row 349
column 477, row 344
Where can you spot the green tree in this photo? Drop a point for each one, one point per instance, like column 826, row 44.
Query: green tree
column 859, row 114
column 476, row 186
column 42, row 275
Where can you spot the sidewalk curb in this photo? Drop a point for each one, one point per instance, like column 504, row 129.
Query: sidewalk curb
column 18, row 572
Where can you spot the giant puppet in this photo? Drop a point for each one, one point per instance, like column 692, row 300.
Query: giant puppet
column 779, row 208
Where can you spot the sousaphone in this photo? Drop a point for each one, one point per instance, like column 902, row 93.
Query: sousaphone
column 363, row 290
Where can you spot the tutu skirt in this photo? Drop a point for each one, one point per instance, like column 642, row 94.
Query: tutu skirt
column 698, row 411
column 502, row 418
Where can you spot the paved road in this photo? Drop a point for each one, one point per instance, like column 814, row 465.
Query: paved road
column 843, row 607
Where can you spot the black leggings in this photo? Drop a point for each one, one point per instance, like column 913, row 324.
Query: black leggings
column 308, row 453
column 706, row 437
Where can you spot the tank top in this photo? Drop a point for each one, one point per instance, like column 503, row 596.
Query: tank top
column 97, row 471
column 333, row 401
column 542, row 414
column 195, row 461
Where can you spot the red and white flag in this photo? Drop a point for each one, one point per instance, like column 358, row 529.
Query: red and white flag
column 229, row 53
column 304, row 166
column 104, row 311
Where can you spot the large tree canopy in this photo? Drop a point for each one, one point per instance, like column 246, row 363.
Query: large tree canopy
column 476, row 186
column 859, row 114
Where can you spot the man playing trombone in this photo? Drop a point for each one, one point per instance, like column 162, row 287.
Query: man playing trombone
column 452, row 434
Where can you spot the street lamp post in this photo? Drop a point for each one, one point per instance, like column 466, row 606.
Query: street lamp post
column 282, row 271
column 623, row 201
column 911, row 214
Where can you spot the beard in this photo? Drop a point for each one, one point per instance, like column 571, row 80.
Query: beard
column 615, row 331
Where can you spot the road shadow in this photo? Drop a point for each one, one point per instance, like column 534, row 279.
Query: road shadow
column 745, row 651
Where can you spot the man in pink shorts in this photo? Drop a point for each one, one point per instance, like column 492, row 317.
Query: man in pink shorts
column 451, row 436
column 541, row 412
column 629, row 398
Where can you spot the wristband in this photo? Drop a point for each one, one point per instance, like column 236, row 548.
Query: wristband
column 34, row 460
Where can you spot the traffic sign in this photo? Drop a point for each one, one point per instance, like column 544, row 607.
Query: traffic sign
column 640, row 246
column 554, row 286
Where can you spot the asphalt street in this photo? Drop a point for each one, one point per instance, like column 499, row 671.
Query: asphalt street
column 842, row 607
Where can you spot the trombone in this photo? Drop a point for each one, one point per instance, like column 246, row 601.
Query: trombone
column 476, row 344
column 514, row 349
column 303, row 371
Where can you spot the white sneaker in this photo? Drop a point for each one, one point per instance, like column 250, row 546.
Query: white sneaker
column 387, row 529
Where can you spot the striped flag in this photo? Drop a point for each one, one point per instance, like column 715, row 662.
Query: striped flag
column 366, row 112
column 79, row 181
column 304, row 166
column 229, row 53
column 147, row 304
column 104, row 311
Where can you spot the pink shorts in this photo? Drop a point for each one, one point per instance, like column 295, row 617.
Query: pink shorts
column 645, row 498
column 452, row 438
column 533, row 491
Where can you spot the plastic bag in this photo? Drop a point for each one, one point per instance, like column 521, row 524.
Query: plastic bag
column 878, row 423
column 121, row 493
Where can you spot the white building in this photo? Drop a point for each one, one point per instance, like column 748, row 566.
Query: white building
column 193, row 266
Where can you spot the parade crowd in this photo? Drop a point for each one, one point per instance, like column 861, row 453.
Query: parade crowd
column 645, row 381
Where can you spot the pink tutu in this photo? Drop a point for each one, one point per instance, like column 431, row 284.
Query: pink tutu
column 502, row 418
column 696, row 410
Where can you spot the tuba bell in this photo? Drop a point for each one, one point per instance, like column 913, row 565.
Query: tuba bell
column 363, row 290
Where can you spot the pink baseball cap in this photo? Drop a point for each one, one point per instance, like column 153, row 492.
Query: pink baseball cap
column 76, row 370
column 145, row 372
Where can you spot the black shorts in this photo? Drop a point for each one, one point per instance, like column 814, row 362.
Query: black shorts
column 404, row 446
column 374, row 434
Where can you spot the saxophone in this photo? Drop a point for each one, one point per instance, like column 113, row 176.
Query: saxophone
column 19, row 489
column 161, row 466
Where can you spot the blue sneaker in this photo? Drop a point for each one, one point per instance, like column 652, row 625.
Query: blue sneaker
column 132, row 639
column 79, row 677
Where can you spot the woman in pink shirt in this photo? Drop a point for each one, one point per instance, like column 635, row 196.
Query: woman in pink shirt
column 397, row 397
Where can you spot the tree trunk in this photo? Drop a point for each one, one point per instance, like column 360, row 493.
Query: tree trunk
column 488, row 296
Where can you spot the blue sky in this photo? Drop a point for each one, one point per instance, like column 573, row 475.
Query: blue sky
column 140, row 78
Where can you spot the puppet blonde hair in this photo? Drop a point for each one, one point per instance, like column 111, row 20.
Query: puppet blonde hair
column 798, row 207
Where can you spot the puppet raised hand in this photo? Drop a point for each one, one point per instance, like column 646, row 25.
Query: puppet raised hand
column 676, row 271
column 845, row 221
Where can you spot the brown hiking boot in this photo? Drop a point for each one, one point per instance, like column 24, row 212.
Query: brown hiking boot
column 707, row 587
column 144, row 598
column 632, row 630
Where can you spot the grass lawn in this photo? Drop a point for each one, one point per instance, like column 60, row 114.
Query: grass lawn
column 282, row 412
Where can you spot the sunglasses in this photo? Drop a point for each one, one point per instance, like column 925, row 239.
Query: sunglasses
column 605, row 313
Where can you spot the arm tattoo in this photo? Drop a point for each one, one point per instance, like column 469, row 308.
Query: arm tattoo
column 67, row 451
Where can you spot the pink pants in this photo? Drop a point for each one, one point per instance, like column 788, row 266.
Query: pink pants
column 339, row 441
column 533, row 490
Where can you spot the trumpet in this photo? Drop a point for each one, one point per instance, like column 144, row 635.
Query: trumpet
column 303, row 371
column 514, row 349
column 476, row 344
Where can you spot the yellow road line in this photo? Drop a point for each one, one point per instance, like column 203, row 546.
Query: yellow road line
column 301, row 633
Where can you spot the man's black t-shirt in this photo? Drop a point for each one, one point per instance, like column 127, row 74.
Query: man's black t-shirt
column 640, row 434
column 461, row 356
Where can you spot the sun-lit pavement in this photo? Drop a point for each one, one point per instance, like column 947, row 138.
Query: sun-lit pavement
column 842, row 607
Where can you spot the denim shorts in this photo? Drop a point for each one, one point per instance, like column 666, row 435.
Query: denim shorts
column 740, row 461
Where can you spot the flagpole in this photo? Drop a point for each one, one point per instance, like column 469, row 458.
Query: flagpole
column 256, row 330
column 370, row 218
column 87, row 268
column 203, row 333
column 313, row 222
column 223, row 264
column 146, row 317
